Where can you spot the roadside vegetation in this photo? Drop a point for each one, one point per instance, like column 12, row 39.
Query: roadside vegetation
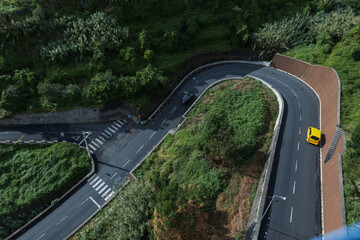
column 331, row 38
column 66, row 54
column 32, row 175
column 202, row 180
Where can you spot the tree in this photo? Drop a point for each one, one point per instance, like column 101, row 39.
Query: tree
column 103, row 88
column 12, row 98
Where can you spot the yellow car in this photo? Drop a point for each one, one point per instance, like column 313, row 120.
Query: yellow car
column 313, row 135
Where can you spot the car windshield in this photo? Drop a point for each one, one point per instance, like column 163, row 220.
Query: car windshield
column 315, row 138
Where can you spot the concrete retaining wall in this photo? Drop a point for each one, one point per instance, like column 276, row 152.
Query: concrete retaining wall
column 326, row 83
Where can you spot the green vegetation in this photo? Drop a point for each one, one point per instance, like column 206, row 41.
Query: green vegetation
column 187, row 178
column 32, row 175
column 338, row 46
column 65, row 49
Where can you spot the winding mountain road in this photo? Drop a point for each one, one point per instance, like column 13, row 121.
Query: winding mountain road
column 120, row 145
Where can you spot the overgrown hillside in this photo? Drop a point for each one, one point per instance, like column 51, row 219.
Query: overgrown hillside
column 200, row 182
column 65, row 54
column 32, row 176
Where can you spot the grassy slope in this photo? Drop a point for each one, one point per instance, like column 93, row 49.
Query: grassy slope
column 344, row 57
column 31, row 174
column 193, row 189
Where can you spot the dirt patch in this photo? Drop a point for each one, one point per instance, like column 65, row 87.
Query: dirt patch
column 234, row 204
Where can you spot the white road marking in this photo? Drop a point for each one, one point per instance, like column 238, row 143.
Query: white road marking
column 298, row 146
column 41, row 236
column 112, row 130
column 294, row 186
column 106, row 193
column 83, row 202
column 92, row 177
column 61, row 220
column 152, row 135
column 108, row 133
column 101, row 190
column 100, row 180
column 114, row 127
column 92, row 142
column 163, row 122
column 84, row 139
column 299, row 105
column 91, row 151
column 126, row 163
column 118, row 125
column 291, row 214
column 92, row 147
column 139, row 148
column 113, row 176
column 92, row 182
column 294, row 92
column 109, row 196
column 99, row 141
column 300, row 118
column 94, row 202
column 299, row 130
column 103, row 139
column 296, row 166
column 121, row 122
column 173, row 110
column 102, row 184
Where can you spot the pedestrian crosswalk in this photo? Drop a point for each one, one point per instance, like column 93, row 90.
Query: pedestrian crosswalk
column 95, row 142
column 101, row 187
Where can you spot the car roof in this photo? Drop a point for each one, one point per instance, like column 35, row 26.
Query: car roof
column 315, row 132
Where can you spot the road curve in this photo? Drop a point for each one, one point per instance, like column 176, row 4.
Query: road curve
column 296, row 165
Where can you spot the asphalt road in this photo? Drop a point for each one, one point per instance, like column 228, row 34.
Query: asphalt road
column 119, row 145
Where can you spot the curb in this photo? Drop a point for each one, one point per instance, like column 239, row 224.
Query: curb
column 254, row 223
column 52, row 206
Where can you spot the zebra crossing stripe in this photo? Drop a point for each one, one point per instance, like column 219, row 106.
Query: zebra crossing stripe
column 97, row 183
column 92, row 147
column 105, row 135
column 114, row 127
column 92, row 182
column 108, row 132
column 111, row 129
column 93, row 142
column 92, row 177
column 91, row 151
column 121, row 122
column 102, row 184
column 101, row 190
column 117, row 124
column 106, row 193
column 103, row 139
column 109, row 196
column 99, row 141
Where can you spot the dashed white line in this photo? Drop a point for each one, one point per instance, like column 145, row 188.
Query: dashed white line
column 299, row 130
column 61, row 220
column 163, row 122
column 152, row 135
column 139, row 148
column 300, row 118
column 173, row 110
column 298, row 147
column 126, row 163
column 94, row 202
column 113, row 176
column 294, row 186
column 41, row 236
column 299, row 105
column 294, row 92
column 291, row 214
column 296, row 165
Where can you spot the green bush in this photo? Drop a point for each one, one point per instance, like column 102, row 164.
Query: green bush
column 31, row 174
